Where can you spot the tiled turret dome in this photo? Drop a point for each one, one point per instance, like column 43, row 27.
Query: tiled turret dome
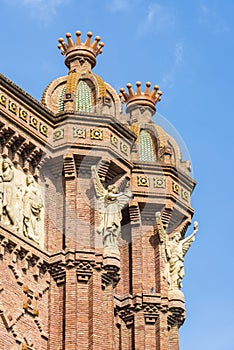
column 81, row 91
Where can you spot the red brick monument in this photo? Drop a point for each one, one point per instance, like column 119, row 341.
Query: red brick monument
column 94, row 207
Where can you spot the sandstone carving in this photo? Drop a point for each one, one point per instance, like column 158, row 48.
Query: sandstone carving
column 110, row 204
column 174, row 250
column 18, row 207
column 7, row 176
column 20, row 201
column 32, row 206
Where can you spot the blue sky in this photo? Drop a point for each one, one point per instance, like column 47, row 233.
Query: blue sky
column 187, row 48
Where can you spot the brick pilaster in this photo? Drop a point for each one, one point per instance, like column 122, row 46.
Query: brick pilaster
column 71, row 310
column 82, row 326
column 108, row 318
column 150, row 338
column 139, row 330
column 174, row 338
column 136, row 259
column 56, row 315
column 96, row 312
column 70, row 213
column 162, row 332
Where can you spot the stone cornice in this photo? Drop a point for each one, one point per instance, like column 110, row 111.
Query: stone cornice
column 152, row 168
column 95, row 119
column 26, row 98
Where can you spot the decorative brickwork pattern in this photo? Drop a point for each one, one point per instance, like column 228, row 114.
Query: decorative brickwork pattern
column 64, row 283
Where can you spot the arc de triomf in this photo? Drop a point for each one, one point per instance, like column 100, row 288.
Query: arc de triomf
column 94, row 209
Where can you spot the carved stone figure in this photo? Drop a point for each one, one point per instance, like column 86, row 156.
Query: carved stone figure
column 163, row 237
column 6, row 192
column 110, row 204
column 1, row 193
column 18, row 207
column 174, row 251
column 32, row 206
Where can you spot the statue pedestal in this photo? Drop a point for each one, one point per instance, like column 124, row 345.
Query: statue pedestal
column 176, row 307
column 176, row 294
column 176, row 299
column 111, row 258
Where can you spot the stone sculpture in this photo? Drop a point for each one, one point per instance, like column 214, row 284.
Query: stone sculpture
column 6, row 190
column 110, row 204
column 174, row 250
column 32, row 206
column 18, row 207
column 20, row 201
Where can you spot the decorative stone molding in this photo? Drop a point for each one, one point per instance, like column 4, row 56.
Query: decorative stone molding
column 175, row 188
column 143, row 181
column 124, row 148
column 114, row 140
column 58, row 134
column 21, row 113
column 96, row 134
column 79, row 132
column 160, row 182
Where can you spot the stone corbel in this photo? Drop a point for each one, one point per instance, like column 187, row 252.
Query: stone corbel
column 9, row 143
column 2, row 247
column 69, row 166
column 26, row 154
column 110, row 276
column 134, row 211
column 5, row 133
column 176, row 317
column 103, row 168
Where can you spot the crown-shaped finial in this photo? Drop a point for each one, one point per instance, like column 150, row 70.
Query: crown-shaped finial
column 87, row 50
column 147, row 98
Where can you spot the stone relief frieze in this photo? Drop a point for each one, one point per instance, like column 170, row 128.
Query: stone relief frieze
column 21, row 202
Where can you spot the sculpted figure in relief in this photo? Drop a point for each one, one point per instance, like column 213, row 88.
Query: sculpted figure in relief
column 32, row 206
column 110, row 204
column 6, row 192
column 18, row 207
column 174, row 251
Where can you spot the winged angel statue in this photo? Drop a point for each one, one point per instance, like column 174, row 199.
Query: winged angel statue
column 174, row 250
column 110, row 203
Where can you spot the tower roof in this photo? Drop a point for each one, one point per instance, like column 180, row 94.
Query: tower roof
column 147, row 98
column 81, row 90
column 82, row 51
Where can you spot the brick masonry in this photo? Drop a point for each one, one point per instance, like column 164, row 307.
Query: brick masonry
column 64, row 293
